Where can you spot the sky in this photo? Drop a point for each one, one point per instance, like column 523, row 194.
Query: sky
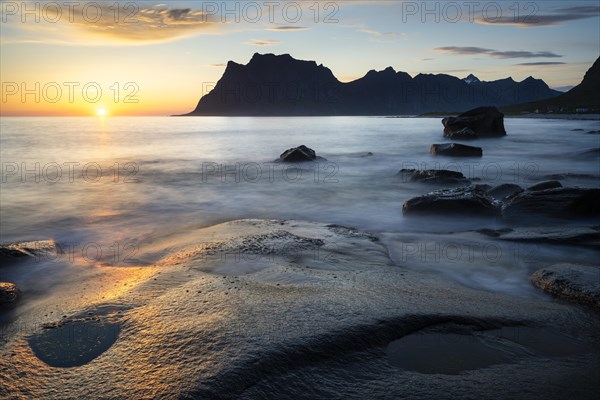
column 85, row 58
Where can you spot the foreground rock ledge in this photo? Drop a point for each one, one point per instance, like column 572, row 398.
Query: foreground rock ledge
column 576, row 283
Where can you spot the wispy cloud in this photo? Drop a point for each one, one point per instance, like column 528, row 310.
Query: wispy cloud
column 262, row 42
column 543, row 20
column 458, row 50
column 541, row 63
column 288, row 28
column 378, row 33
column 136, row 24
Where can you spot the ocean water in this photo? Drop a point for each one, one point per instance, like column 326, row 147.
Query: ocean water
column 113, row 189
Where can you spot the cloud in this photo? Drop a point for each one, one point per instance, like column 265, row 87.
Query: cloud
column 495, row 53
column 218, row 65
column 134, row 23
column 377, row 33
column 288, row 28
column 262, row 42
column 531, row 19
column 542, row 63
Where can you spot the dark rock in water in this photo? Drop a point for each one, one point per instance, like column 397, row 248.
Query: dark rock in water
column 462, row 134
column 584, row 236
column 468, row 200
column 570, row 175
column 39, row 248
column 593, row 132
column 577, row 130
column 482, row 121
column 545, row 185
column 455, row 150
column 555, row 203
column 441, row 176
column 505, row 190
column 9, row 293
column 577, row 283
column 591, row 153
column 299, row 154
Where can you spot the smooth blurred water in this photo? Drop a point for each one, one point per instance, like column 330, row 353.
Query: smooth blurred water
column 164, row 175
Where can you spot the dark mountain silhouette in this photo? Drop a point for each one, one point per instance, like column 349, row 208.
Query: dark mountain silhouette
column 586, row 95
column 281, row 85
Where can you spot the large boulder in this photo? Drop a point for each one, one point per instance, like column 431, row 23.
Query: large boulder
column 455, row 150
column 9, row 293
column 299, row 154
column 435, row 176
column 469, row 200
column 560, row 203
column 482, row 122
column 577, row 283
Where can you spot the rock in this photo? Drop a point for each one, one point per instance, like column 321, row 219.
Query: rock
column 482, row 121
column 505, row 190
column 576, row 283
column 545, row 185
column 37, row 248
column 9, row 293
column 462, row 134
column 593, row 132
column 555, row 203
column 585, row 236
column 299, row 154
column 468, row 200
column 441, row 176
column 455, row 150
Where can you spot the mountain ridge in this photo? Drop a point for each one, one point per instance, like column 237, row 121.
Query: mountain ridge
column 280, row 85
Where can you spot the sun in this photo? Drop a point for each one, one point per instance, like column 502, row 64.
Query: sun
column 101, row 112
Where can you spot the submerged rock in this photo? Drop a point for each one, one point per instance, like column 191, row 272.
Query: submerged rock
column 545, row 185
column 299, row 154
column 556, row 203
column 587, row 236
column 441, row 176
column 577, row 283
column 504, row 190
column 470, row 200
column 482, row 121
column 455, row 150
column 9, row 293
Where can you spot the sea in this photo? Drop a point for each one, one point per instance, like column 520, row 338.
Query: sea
column 108, row 189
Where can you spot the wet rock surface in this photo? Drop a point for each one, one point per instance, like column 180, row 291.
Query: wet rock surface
column 576, row 283
column 38, row 248
column 230, row 313
column 587, row 236
column 558, row 203
column 470, row 200
column 504, row 190
column 455, row 150
column 435, row 176
column 9, row 293
column 299, row 154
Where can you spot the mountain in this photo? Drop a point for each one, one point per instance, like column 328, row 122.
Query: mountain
column 586, row 96
column 471, row 79
column 279, row 85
